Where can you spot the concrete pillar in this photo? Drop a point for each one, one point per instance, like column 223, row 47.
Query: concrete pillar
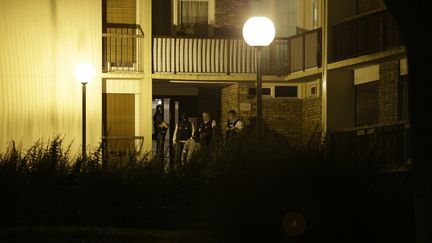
column 144, row 16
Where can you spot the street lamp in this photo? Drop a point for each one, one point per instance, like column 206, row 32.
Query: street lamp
column 84, row 73
column 259, row 32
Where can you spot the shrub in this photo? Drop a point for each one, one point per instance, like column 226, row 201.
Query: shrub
column 240, row 190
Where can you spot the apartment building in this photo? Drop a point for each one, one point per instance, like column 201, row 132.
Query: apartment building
column 189, row 55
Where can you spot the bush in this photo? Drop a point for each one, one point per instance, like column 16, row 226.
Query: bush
column 240, row 191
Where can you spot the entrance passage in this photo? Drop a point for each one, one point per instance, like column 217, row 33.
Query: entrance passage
column 173, row 106
column 192, row 98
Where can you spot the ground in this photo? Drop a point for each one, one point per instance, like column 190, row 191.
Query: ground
column 96, row 235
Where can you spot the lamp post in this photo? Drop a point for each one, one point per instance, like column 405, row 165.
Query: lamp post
column 259, row 32
column 84, row 73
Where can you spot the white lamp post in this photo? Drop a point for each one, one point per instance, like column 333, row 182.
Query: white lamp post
column 84, row 73
column 259, row 32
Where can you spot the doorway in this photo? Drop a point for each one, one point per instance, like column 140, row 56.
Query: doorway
column 173, row 107
column 119, row 115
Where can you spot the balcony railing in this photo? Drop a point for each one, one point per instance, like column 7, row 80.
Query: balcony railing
column 385, row 146
column 122, row 47
column 362, row 35
column 292, row 54
column 234, row 56
column 202, row 55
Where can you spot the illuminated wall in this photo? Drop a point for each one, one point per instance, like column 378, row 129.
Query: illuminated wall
column 41, row 42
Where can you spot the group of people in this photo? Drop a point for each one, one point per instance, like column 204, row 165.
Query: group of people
column 186, row 139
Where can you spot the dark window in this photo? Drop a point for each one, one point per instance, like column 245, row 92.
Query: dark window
column 286, row 91
column 194, row 12
column 265, row 91
column 366, row 103
column 313, row 91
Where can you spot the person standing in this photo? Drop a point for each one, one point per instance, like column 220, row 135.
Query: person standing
column 206, row 129
column 183, row 131
column 191, row 146
column 160, row 128
column 234, row 125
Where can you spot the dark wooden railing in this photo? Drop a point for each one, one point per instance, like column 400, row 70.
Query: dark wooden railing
column 234, row 56
column 362, row 35
column 385, row 146
column 122, row 47
column 292, row 54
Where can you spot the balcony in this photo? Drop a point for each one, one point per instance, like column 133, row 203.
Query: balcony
column 387, row 147
column 234, row 56
column 122, row 48
column 363, row 35
column 296, row 53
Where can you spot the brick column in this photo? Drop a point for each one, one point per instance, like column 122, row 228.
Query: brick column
column 229, row 101
column 388, row 92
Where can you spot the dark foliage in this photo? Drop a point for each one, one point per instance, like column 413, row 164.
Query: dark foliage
column 238, row 191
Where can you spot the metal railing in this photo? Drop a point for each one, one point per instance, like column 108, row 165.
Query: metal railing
column 385, row 146
column 234, row 56
column 202, row 55
column 364, row 34
column 122, row 47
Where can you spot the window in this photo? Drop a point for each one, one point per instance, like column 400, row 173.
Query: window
column 194, row 11
column 366, row 103
column 311, row 90
column 286, row 91
column 265, row 91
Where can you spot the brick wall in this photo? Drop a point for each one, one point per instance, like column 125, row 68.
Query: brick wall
column 284, row 116
column 388, row 92
column 311, row 118
column 296, row 119
column 229, row 101
column 231, row 13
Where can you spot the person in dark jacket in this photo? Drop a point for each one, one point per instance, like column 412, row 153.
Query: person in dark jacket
column 234, row 125
column 160, row 128
column 206, row 129
column 183, row 131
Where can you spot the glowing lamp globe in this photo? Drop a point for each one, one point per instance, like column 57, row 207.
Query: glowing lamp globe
column 259, row 31
column 84, row 73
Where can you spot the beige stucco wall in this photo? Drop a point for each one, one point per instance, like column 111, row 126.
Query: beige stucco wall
column 146, row 93
column 42, row 41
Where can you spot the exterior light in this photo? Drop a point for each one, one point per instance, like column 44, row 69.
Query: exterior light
column 84, row 73
column 259, row 31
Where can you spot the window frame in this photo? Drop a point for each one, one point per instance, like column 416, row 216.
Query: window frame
column 375, row 119
column 176, row 11
column 287, row 97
